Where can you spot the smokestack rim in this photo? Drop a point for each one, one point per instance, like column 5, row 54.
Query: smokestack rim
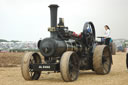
column 53, row 5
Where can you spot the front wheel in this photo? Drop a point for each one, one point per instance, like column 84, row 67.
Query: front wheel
column 28, row 59
column 69, row 66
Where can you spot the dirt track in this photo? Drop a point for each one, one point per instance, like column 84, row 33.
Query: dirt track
column 117, row 76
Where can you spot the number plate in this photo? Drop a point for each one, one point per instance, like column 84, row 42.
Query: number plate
column 45, row 66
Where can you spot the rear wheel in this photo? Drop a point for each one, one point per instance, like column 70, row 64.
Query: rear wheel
column 28, row 59
column 102, row 59
column 69, row 66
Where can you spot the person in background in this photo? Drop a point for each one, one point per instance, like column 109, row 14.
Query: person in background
column 107, row 32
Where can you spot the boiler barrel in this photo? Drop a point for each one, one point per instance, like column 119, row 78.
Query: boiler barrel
column 52, row 48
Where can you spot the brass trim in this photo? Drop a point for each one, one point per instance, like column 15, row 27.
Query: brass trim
column 52, row 29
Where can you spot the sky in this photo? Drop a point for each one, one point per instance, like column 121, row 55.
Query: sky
column 28, row 20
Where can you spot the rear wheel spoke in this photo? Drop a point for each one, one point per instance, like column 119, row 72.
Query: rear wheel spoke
column 106, row 64
column 106, row 69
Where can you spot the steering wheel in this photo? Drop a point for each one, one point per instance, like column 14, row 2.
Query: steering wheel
column 88, row 34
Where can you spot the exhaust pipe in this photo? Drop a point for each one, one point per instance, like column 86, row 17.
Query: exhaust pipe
column 53, row 11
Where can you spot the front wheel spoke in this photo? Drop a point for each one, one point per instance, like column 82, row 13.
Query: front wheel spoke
column 70, row 65
column 30, row 70
column 31, row 74
column 75, row 68
column 70, row 73
column 73, row 60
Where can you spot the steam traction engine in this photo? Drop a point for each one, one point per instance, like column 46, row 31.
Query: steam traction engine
column 66, row 52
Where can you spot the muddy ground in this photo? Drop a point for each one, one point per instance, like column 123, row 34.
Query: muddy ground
column 117, row 76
